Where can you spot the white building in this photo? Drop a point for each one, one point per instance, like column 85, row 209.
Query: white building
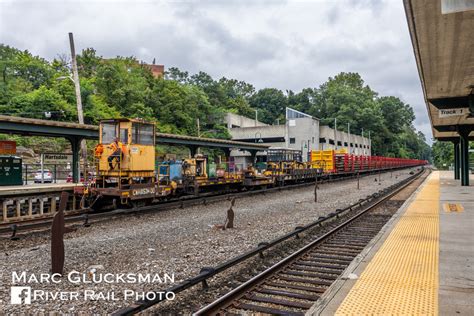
column 300, row 131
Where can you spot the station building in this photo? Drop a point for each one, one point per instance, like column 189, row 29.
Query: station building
column 300, row 132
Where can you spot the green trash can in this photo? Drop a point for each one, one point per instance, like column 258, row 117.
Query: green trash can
column 11, row 170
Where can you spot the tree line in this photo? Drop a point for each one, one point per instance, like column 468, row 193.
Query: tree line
column 32, row 86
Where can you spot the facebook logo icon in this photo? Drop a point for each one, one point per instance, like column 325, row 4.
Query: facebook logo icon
column 21, row 295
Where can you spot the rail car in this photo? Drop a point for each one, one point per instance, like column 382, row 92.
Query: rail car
column 125, row 162
column 127, row 174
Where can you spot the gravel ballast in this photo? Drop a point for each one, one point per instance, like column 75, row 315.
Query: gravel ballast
column 175, row 242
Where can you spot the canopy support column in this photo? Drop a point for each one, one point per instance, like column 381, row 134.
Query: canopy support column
column 457, row 158
column 253, row 154
column 464, row 136
column 75, row 147
column 193, row 150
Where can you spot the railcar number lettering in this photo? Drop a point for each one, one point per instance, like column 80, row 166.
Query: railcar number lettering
column 144, row 191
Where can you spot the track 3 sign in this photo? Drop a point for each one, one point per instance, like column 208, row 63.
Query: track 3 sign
column 453, row 112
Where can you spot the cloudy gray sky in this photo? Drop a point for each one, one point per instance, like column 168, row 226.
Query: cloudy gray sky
column 282, row 44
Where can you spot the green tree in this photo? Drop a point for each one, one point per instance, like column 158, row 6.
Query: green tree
column 88, row 62
column 302, row 101
column 177, row 108
column 214, row 91
column 271, row 104
column 123, row 87
column 124, row 84
column 236, row 96
column 33, row 69
column 443, row 154
column 349, row 100
column 21, row 73
column 41, row 103
column 235, row 89
column 174, row 73
column 396, row 114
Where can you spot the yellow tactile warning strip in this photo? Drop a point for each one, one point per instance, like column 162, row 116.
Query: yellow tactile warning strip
column 453, row 207
column 402, row 278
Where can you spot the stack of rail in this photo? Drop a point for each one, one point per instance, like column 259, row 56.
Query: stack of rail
column 339, row 161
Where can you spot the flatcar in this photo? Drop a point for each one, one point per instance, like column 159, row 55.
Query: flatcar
column 128, row 175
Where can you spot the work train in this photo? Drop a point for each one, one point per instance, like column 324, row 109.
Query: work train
column 127, row 174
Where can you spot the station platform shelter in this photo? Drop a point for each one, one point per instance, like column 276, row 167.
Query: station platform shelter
column 441, row 34
column 421, row 263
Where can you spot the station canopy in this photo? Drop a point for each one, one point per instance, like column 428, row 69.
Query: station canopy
column 442, row 34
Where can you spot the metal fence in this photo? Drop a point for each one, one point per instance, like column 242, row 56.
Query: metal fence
column 52, row 173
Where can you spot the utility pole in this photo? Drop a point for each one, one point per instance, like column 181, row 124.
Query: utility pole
column 198, row 151
column 75, row 75
column 363, row 143
column 335, row 133
column 349, row 140
column 370, row 145
column 256, row 117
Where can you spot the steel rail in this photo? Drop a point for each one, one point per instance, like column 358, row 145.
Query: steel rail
column 208, row 272
column 79, row 215
column 236, row 293
column 85, row 216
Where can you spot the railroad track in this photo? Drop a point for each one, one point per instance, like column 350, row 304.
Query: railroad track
column 85, row 217
column 294, row 284
column 328, row 259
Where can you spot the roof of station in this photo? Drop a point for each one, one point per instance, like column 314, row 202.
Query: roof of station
column 442, row 36
column 36, row 127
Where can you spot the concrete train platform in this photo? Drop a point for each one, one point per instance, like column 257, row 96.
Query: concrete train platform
column 18, row 190
column 421, row 263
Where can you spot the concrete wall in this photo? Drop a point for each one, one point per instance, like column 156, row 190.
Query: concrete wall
column 243, row 159
column 267, row 131
column 233, row 120
column 328, row 134
column 302, row 134
column 299, row 133
column 358, row 142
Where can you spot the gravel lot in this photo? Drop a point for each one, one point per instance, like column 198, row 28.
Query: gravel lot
column 178, row 241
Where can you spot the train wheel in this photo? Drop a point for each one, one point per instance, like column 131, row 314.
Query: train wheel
column 141, row 203
column 137, row 203
column 104, row 204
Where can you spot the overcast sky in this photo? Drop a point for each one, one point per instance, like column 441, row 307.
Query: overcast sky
column 281, row 44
